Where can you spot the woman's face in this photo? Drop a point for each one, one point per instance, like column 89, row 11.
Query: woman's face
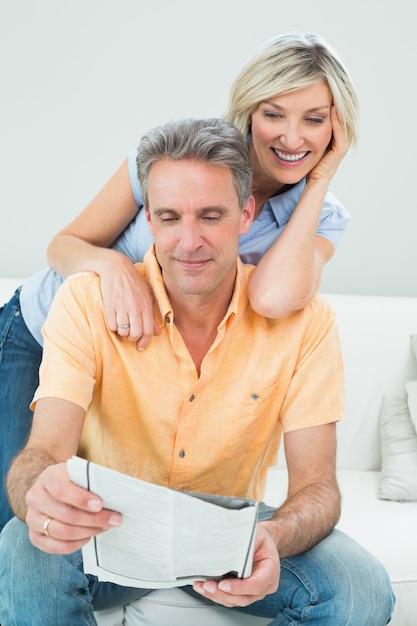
column 290, row 134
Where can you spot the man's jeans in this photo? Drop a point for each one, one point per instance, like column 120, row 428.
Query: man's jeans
column 336, row 583
column 20, row 357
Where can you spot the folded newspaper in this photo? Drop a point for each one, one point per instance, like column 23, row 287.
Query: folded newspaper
column 168, row 538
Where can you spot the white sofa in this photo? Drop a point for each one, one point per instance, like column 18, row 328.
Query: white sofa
column 375, row 334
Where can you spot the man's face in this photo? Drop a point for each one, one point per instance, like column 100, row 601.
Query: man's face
column 195, row 218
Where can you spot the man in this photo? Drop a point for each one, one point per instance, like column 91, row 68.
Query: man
column 202, row 408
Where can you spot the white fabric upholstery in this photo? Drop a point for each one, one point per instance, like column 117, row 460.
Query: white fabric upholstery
column 399, row 451
column 176, row 608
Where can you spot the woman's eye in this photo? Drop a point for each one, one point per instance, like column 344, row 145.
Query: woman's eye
column 272, row 115
column 315, row 120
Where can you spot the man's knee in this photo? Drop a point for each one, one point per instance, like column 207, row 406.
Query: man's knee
column 341, row 581
column 364, row 590
column 20, row 559
column 13, row 565
column 13, row 534
column 337, row 582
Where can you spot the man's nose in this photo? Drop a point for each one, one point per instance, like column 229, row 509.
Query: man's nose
column 190, row 236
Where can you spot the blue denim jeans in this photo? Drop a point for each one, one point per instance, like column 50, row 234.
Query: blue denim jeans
column 20, row 357
column 336, row 583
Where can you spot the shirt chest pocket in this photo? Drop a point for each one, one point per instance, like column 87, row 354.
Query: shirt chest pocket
column 249, row 421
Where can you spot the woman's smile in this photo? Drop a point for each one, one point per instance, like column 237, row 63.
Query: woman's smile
column 291, row 133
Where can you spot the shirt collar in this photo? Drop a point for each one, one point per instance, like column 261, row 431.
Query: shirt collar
column 153, row 275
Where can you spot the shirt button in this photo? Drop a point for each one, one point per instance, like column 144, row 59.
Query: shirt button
column 191, row 398
column 255, row 396
column 181, row 454
column 168, row 319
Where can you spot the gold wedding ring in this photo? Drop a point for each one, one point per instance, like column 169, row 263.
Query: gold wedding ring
column 45, row 526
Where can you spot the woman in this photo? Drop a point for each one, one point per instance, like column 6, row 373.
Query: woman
column 297, row 106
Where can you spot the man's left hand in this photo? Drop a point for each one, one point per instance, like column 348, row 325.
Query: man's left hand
column 244, row 591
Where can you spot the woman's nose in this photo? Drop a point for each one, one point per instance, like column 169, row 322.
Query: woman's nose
column 291, row 137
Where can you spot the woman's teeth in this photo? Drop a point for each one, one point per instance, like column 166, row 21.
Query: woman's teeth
column 286, row 156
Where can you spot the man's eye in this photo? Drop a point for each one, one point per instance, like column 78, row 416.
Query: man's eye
column 167, row 219
column 211, row 218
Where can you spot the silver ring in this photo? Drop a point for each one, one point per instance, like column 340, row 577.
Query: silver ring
column 45, row 526
column 124, row 326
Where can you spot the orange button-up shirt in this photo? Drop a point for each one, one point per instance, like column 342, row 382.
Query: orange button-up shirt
column 150, row 415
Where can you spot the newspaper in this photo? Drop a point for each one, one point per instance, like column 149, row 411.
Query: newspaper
column 168, row 538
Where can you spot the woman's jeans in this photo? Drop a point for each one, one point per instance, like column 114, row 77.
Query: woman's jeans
column 336, row 583
column 20, row 357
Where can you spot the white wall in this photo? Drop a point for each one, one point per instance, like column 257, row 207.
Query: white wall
column 82, row 80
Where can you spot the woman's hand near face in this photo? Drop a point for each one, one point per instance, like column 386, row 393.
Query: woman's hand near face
column 327, row 166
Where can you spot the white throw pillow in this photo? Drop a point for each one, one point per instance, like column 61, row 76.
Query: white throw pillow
column 411, row 388
column 399, row 451
column 414, row 345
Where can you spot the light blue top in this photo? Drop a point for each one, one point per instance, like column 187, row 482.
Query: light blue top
column 38, row 290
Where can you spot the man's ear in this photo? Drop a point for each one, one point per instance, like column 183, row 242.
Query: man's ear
column 148, row 217
column 248, row 213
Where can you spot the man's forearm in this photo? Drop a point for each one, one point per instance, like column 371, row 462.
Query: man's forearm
column 305, row 518
column 23, row 473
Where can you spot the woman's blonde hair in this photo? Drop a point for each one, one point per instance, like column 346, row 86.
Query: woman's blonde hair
column 286, row 63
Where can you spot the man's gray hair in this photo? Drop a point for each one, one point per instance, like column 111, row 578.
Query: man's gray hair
column 212, row 141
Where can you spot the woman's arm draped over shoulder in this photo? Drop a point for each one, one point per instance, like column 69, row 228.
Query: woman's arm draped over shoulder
column 289, row 274
column 83, row 246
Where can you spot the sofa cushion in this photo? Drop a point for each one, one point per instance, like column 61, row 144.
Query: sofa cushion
column 176, row 608
column 414, row 345
column 375, row 334
column 411, row 388
column 159, row 607
column 399, row 451
column 384, row 528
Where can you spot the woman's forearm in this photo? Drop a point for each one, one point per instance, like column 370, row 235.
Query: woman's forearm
column 68, row 254
column 288, row 275
column 83, row 244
